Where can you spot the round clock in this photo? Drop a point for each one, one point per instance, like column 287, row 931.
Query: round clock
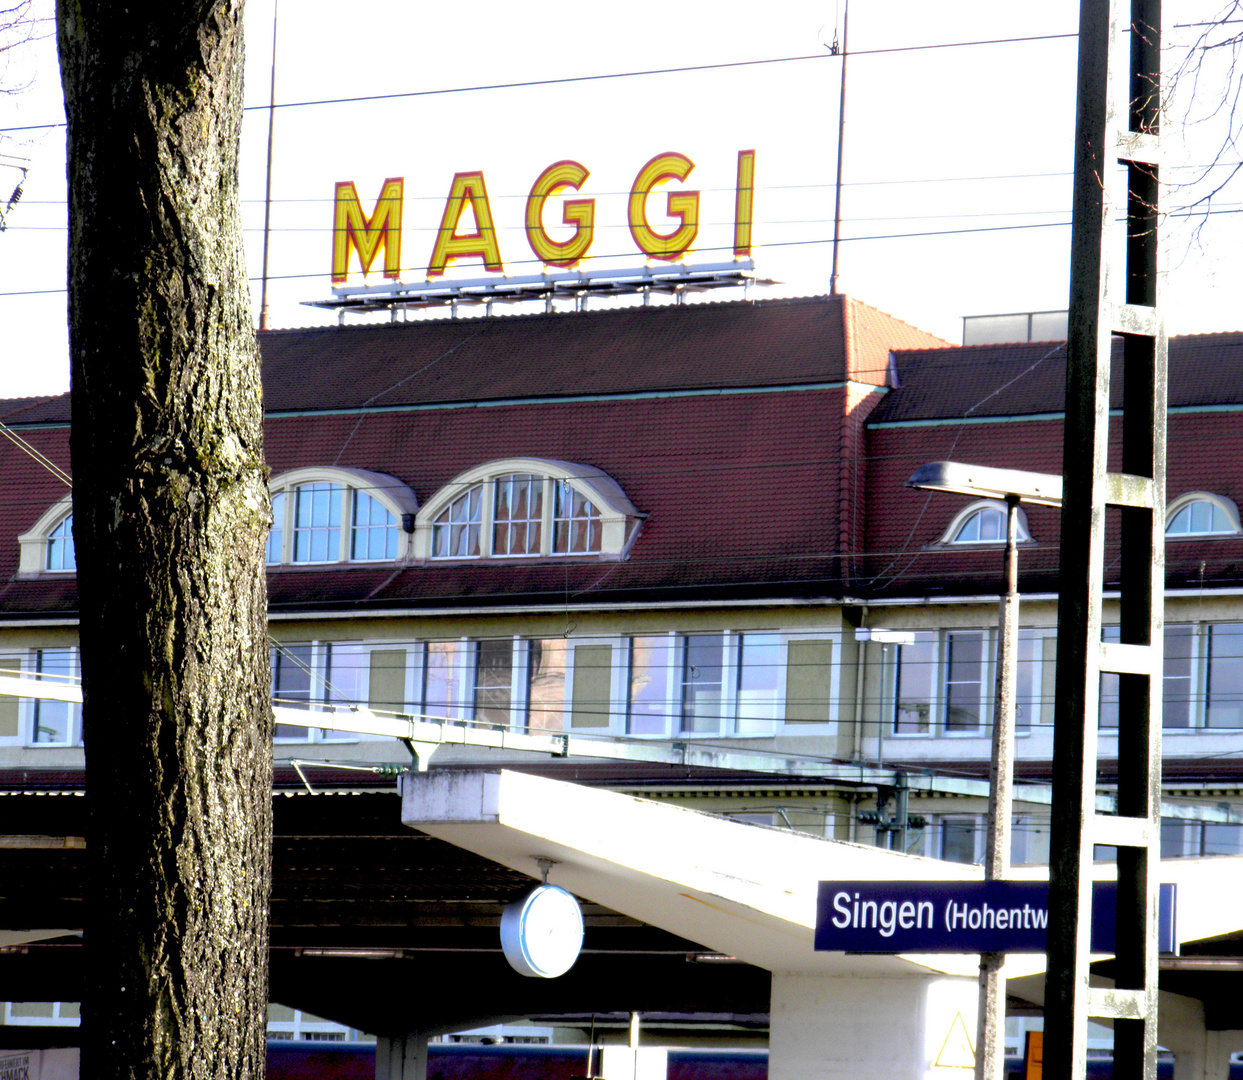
column 542, row 933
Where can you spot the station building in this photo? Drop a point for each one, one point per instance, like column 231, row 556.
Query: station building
column 678, row 534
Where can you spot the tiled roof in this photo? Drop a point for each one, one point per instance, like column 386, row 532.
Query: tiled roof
column 669, row 348
column 1019, row 380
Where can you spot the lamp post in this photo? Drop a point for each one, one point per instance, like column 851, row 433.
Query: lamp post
column 1013, row 486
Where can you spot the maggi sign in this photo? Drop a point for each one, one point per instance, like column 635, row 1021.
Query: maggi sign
column 365, row 234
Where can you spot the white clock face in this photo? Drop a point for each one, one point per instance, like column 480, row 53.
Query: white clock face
column 542, row 934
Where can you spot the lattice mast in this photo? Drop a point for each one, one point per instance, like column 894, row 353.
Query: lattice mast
column 1103, row 305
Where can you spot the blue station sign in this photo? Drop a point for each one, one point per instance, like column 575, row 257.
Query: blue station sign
column 960, row 916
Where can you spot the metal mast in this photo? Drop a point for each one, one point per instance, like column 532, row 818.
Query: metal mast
column 1105, row 303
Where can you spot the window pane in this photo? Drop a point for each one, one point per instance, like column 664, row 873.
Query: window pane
column 964, row 680
column 1109, row 684
column 54, row 721
column 649, row 685
column 444, row 678
column 518, row 515
column 970, row 531
column 576, row 522
column 991, row 525
column 455, row 532
column 546, row 684
column 278, row 528
column 317, row 523
column 343, row 679
column 1225, row 676
column 1176, row 704
column 494, row 675
column 1221, row 839
column 958, row 836
column 761, row 671
column 60, row 550
column 291, row 684
column 374, row 534
column 702, row 663
column 916, row 668
column 1028, row 680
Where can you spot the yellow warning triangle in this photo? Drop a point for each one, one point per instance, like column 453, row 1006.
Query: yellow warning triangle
column 957, row 1051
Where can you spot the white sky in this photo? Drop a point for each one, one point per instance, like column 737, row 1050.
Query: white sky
column 937, row 140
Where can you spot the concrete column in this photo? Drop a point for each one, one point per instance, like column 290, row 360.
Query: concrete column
column 401, row 1057
column 1218, row 1046
column 854, row 1028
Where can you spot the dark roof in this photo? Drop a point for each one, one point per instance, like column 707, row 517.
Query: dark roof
column 1020, row 380
column 697, row 346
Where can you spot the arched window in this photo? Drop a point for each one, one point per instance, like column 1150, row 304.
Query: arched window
column 329, row 515
column 1200, row 514
column 526, row 508
column 984, row 522
column 47, row 548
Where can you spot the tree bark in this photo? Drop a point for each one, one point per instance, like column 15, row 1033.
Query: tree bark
column 170, row 518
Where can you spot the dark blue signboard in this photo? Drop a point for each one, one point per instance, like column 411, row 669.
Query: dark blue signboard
column 960, row 916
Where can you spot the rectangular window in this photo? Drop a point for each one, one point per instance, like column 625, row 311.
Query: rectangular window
column 345, row 671
column 1224, row 682
column 964, row 680
column 494, row 680
column 961, row 839
column 1029, row 840
column 703, row 672
column 761, row 671
column 915, row 676
column 1176, row 711
column 518, row 515
column 56, row 723
column 317, row 523
column 576, row 522
column 291, row 684
column 275, row 552
column 546, row 667
column 649, row 706
column 1029, row 680
column 445, row 678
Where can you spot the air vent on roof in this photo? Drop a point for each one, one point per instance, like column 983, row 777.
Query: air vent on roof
column 1021, row 326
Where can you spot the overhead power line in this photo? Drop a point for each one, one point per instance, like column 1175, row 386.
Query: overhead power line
column 642, row 73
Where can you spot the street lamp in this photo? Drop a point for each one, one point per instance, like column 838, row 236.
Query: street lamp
column 1014, row 486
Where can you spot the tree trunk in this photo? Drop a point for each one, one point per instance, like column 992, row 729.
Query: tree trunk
column 170, row 517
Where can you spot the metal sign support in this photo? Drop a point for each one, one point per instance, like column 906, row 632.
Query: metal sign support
column 1104, row 305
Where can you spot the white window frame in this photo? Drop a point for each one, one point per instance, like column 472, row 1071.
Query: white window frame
column 33, row 544
column 937, row 727
column 389, row 492
column 967, row 512
column 1220, row 504
column 731, row 672
column 28, row 712
column 320, row 677
column 618, row 519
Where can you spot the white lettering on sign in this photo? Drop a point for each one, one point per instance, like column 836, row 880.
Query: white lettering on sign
column 884, row 917
column 986, row 917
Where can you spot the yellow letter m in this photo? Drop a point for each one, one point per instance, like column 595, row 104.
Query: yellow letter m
column 351, row 228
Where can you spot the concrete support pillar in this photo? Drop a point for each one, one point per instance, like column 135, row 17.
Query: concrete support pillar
column 1218, row 1046
column 401, row 1057
column 1198, row 1054
column 857, row 1028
